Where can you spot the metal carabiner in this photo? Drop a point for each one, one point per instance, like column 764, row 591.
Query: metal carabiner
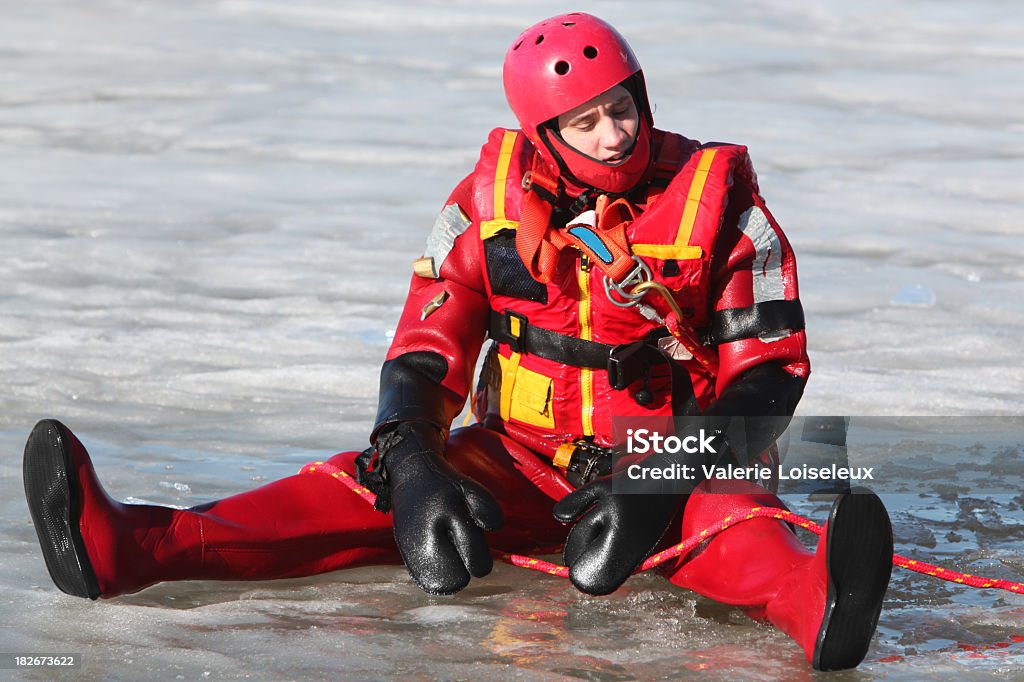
column 637, row 276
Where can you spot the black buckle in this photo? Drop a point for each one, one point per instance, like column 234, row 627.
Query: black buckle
column 626, row 364
column 588, row 461
column 516, row 342
column 371, row 475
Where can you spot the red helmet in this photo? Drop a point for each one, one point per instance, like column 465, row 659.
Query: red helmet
column 561, row 63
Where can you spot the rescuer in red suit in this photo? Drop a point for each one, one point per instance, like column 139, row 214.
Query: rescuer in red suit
column 621, row 272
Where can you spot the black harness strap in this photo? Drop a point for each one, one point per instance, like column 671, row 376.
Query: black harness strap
column 624, row 363
column 514, row 330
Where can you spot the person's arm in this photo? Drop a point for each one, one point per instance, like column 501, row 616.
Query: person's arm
column 757, row 324
column 438, row 513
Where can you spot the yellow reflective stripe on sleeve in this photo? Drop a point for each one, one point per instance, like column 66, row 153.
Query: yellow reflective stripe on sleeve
column 587, row 334
column 501, row 172
column 700, row 177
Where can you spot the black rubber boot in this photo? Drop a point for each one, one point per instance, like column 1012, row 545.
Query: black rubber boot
column 52, row 491
column 858, row 562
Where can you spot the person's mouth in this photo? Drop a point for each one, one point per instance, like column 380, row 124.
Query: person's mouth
column 616, row 159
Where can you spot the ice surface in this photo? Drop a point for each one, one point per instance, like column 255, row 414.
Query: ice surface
column 207, row 214
column 914, row 295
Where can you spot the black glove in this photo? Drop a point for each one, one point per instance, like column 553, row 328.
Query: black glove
column 615, row 533
column 438, row 512
column 761, row 403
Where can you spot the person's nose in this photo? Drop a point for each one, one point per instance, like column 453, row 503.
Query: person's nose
column 614, row 135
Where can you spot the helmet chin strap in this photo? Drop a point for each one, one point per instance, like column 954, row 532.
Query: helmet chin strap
column 587, row 172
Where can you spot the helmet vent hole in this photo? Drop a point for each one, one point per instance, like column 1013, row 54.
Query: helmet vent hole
column 540, row 39
column 562, row 68
column 590, row 52
column 516, row 46
column 568, row 23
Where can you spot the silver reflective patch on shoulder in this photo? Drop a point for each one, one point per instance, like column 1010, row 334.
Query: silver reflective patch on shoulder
column 767, row 266
column 452, row 222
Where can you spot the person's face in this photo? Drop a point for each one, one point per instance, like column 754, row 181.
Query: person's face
column 603, row 128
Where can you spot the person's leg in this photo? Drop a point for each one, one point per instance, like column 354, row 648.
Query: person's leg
column 301, row 525
column 94, row 546
column 827, row 600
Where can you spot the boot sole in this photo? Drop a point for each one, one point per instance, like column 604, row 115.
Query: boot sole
column 53, row 500
column 859, row 560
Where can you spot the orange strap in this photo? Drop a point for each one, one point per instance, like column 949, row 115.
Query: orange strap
column 540, row 245
column 611, row 253
column 537, row 244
